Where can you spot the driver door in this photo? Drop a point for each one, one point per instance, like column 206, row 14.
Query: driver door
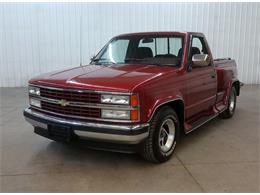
column 201, row 85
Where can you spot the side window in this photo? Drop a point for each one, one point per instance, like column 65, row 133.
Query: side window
column 198, row 46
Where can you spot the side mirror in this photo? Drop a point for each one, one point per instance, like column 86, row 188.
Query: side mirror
column 200, row 60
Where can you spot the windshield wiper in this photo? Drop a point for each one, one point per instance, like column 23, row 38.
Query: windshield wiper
column 146, row 61
column 102, row 61
column 133, row 59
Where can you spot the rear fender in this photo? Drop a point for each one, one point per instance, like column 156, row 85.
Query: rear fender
column 232, row 83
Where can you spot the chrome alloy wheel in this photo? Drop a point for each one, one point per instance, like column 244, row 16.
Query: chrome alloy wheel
column 166, row 135
column 232, row 102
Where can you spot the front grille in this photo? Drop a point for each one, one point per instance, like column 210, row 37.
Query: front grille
column 71, row 110
column 86, row 97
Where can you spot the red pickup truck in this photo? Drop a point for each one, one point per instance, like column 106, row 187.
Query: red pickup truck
column 140, row 90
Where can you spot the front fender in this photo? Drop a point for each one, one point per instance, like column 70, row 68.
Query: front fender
column 156, row 103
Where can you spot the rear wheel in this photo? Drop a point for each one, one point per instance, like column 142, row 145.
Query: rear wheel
column 163, row 136
column 232, row 100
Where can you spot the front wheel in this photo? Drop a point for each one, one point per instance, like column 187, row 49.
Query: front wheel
column 232, row 100
column 163, row 136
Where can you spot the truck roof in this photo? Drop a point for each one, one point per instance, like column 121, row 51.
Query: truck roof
column 159, row 33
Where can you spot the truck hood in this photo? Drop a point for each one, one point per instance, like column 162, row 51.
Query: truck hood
column 124, row 77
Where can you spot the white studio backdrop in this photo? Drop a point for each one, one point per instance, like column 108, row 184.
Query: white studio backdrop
column 40, row 37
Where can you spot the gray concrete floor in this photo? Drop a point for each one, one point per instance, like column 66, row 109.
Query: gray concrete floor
column 221, row 156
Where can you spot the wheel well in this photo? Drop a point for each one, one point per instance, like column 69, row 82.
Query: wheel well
column 178, row 107
column 236, row 84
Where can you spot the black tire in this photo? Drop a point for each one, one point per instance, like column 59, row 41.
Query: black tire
column 151, row 148
column 229, row 112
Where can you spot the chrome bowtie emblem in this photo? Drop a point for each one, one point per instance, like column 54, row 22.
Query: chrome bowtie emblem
column 63, row 102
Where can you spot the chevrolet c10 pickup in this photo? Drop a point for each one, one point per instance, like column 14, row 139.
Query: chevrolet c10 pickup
column 141, row 91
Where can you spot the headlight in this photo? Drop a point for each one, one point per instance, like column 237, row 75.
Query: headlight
column 34, row 91
column 35, row 102
column 115, row 99
column 115, row 114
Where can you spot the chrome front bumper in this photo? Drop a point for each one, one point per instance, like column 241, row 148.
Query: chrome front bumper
column 129, row 134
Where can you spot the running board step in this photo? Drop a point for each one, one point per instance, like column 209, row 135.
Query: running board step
column 200, row 122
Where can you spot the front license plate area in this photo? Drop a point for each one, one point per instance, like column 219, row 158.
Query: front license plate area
column 60, row 133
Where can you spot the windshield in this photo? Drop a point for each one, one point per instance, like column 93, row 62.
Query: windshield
column 157, row 50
